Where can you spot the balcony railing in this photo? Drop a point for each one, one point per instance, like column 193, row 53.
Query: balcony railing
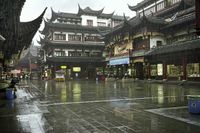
column 60, row 59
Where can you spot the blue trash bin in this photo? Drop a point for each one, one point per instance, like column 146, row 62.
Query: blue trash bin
column 194, row 104
column 9, row 94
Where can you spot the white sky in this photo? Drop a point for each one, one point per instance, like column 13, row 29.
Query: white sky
column 33, row 8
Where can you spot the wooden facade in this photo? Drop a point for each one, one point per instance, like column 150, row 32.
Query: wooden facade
column 164, row 43
column 74, row 40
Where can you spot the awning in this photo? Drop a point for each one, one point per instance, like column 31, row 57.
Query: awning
column 176, row 47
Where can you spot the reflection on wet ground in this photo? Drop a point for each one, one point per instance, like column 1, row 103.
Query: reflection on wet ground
column 99, row 107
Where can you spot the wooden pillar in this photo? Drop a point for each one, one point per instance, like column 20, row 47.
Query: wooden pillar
column 184, row 68
column 164, row 71
column 117, row 71
column 148, row 71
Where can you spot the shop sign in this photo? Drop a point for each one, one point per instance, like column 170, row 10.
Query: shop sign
column 138, row 53
column 140, row 59
column 76, row 69
column 63, row 67
column 119, row 61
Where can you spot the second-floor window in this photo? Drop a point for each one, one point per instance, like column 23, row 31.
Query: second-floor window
column 160, row 6
column 74, row 37
column 90, row 22
column 101, row 24
column 150, row 10
column 59, row 36
column 116, row 23
column 59, row 53
column 92, row 38
column 171, row 2
column 74, row 53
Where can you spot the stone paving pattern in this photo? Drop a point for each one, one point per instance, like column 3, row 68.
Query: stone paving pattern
column 98, row 107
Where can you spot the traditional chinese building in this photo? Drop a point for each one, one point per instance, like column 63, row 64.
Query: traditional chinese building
column 179, row 59
column 17, row 35
column 152, row 41
column 72, row 42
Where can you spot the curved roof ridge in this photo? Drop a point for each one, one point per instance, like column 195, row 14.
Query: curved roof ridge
column 28, row 29
column 140, row 4
column 89, row 11
column 107, row 15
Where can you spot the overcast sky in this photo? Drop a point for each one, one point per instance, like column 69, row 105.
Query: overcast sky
column 33, row 8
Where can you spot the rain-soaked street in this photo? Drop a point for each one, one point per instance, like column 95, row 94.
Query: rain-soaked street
column 99, row 107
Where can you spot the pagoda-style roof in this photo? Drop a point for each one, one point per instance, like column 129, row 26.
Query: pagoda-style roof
column 182, row 5
column 133, row 23
column 117, row 17
column 27, row 31
column 18, row 34
column 182, row 17
column 56, row 15
column 103, row 15
column 141, row 5
column 86, row 11
column 89, row 11
column 117, row 29
column 176, row 47
column 136, row 21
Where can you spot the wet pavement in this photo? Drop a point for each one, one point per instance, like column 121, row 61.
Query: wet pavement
column 99, row 107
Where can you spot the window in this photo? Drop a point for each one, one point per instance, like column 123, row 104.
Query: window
column 175, row 1
column 74, row 53
column 96, row 54
column 150, row 11
column 59, row 36
column 59, row 53
column 90, row 22
column 160, row 6
column 74, row 37
column 92, row 38
column 193, row 70
column 171, row 2
column 116, row 23
column 158, row 43
column 101, row 24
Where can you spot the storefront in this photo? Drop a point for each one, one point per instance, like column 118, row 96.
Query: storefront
column 139, row 67
column 193, row 71
column 179, row 61
column 120, row 67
